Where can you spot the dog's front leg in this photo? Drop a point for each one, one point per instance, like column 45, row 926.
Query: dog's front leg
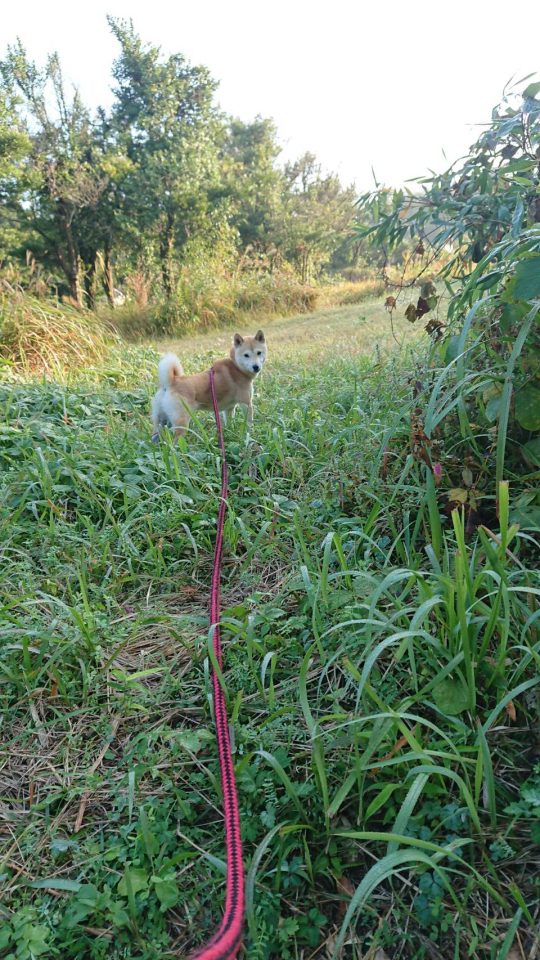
column 248, row 407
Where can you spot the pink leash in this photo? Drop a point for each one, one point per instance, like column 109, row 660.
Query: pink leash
column 227, row 940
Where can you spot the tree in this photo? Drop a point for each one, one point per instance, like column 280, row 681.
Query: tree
column 166, row 124
column 251, row 182
column 61, row 179
column 14, row 149
column 318, row 214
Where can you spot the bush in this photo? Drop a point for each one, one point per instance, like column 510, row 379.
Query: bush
column 208, row 297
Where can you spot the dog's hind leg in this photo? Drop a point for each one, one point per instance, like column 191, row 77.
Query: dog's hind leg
column 156, row 419
column 181, row 423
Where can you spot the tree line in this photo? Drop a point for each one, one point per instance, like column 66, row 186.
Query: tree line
column 161, row 179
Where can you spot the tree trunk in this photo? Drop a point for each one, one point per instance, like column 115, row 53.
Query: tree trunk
column 166, row 252
column 304, row 263
column 70, row 262
column 74, row 277
column 90, row 283
column 108, row 279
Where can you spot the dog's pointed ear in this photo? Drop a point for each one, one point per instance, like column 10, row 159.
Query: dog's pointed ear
column 238, row 340
column 259, row 336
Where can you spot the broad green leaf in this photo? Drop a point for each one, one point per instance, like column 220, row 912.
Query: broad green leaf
column 167, row 891
column 530, row 92
column 531, row 452
column 493, row 406
column 56, row 883
column 192, row 740
column 527, row 279
column 451, row 696
column 528, row 407
column 138, row 878
column 458, row 495
column 452, row 349
column 528, row 517
column 512, row 313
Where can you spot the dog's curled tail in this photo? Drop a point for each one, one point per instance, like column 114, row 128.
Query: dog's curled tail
column 169, row 369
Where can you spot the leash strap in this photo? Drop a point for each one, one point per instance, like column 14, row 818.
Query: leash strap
column 227, row 940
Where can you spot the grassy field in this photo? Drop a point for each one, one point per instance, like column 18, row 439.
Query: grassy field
column 381, row 669
column 358, row 330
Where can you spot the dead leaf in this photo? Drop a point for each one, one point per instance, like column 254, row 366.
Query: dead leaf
column 410, row 313
column 457, row 495
column 422, row 307
column 466, row 473
column 345, row 886
column 399, row 744
column 40, row 730
column 376, row 953
column 435, row 328
column 428, row 290
column 511, row 714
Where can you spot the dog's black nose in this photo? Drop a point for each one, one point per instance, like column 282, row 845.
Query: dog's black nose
column 256, row 368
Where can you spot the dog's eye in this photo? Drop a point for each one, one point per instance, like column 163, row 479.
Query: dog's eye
column 259, row 353
column 246, row 355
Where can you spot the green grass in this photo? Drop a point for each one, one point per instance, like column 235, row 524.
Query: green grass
column 381, row 669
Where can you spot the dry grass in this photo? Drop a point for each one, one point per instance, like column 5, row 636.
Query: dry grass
column 39, row 336
column 346, row 331
column 350, row 292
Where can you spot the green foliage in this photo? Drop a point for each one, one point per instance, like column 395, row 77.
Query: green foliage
column 485, row 212
column 349, row 602
column 479, row 199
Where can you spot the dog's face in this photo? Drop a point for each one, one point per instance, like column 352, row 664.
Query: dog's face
column 250, row 353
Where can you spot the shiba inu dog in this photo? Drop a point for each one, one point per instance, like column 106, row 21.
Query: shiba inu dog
column 179, row 395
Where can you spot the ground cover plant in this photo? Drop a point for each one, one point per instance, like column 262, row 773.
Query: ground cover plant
column 381, row 664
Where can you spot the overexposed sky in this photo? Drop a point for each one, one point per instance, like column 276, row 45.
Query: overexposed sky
column 385, row 84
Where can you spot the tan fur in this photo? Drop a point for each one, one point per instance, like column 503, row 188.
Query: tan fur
column 181, row 395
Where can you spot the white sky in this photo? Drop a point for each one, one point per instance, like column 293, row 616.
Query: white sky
column 389, row 84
